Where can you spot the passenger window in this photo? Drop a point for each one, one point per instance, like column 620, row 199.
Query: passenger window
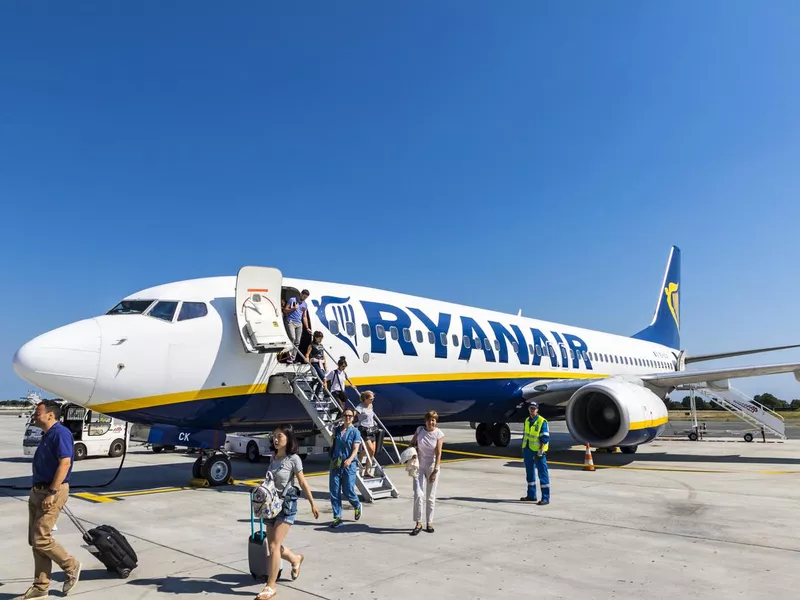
column 365, row 330
column 192, row 310
column 443, row 338
column 497, row 346
column 455, row 340
column 538, row 350
column 431, row 338
column 334, row 327
column 350, row 328
column 530, row 349
column 406, row 334
column 164, row 310
column 419, row 336
column 515, row 346
column 466, row 342
column 380, row 332
column 486, row 343
column 394, row 332
column 477, row 343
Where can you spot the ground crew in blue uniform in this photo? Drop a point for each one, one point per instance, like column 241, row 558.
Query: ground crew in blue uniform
column 535, row 444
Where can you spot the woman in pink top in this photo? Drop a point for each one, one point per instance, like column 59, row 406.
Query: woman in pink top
column 428, row 441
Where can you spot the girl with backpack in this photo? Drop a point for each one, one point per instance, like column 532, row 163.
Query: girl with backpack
column 284, row 466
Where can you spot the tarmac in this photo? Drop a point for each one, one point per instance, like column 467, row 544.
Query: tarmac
column 678, row 518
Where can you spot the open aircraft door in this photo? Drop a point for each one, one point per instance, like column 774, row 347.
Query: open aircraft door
column 258, row 310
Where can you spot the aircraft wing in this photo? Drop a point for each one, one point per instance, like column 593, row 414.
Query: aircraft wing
column 717, row 356
column 679, row 378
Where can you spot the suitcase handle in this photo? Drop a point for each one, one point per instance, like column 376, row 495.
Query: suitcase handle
column 252, row 523
column 72, row 518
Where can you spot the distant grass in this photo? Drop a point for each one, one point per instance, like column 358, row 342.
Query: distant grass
column 722, row 415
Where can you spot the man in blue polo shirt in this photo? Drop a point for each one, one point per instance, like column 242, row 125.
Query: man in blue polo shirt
column 52, row 467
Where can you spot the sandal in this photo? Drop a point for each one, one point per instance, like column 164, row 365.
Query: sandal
column 416, row 530
column 429, row 529
column 296, row 569
column 266, row 593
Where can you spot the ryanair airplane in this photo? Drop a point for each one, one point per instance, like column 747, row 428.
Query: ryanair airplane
column 200, row 355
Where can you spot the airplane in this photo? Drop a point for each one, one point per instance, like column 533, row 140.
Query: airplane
column 202, row 357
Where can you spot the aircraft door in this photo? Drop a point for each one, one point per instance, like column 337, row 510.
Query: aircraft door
column 258, row 310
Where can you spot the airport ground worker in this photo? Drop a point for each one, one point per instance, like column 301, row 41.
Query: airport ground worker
column 52, row 467
column 535, row 444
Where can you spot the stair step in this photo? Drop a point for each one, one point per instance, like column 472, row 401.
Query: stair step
column 378, row 494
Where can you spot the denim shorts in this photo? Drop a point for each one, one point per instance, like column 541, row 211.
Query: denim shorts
column 289, row 512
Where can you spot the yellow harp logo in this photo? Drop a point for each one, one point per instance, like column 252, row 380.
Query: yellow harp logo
column 673, row 301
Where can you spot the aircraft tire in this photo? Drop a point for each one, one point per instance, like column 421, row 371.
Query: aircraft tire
column 79, row 452
column 501, row 435
column 253, row 454
column 197, row 468
column 629, row 449
column 483, row 434
column 157, row 449
column 217, row 470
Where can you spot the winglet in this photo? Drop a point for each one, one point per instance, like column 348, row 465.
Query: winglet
column 665, row 328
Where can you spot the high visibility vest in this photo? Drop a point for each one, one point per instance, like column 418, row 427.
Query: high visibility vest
column 533, row 429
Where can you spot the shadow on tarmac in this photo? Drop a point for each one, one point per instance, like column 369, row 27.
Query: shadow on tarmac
column 224, row 584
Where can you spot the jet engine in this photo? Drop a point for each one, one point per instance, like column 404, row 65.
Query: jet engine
column 615, row 412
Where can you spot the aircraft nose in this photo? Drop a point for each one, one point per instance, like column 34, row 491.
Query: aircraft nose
column 64, row 361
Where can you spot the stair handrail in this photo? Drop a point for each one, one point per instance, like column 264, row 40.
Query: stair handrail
column 377, row 418
column 766, row 409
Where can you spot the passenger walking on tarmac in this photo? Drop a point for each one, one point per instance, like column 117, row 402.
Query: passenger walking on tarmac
column 535, row 444
column 52, row 467
column 346, row 441
column 315, row 356
column 285, row 466
column 367, row 427
column 428, row 440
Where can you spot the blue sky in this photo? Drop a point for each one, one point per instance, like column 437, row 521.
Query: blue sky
column 531, row 155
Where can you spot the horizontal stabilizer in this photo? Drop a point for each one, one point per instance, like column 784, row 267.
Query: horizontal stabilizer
column 675, row 379
column 706, row 357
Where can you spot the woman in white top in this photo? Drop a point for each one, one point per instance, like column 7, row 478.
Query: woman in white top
column 428, row 441
column 367, row 427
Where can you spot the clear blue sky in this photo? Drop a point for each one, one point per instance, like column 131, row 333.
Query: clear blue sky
column 508, row 155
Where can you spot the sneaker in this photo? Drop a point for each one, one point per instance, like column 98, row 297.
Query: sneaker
column 543, row 502
column 527, row 499
column 336, row 522
column 34, row 592
column 358, row 513
column 72, row 580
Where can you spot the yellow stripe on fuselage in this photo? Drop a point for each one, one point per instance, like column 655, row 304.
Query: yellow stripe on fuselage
column 241, row 390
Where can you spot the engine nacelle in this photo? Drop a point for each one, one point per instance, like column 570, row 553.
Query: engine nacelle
column 614, row 412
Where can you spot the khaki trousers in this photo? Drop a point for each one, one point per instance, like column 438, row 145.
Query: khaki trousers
column 46, row 550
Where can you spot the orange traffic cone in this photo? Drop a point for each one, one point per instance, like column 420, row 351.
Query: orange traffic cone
column 588, row 464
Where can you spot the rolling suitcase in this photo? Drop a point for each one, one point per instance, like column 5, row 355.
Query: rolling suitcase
column 109, row 546
column 258, row 550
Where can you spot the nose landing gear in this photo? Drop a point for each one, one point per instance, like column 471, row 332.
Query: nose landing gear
column 498, row 434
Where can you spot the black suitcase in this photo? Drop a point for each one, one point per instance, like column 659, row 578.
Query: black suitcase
column 258, row 550
column 109, row 546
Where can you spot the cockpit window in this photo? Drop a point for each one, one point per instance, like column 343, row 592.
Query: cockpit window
column 130, row 307
column 192, row 310
column 164, row 309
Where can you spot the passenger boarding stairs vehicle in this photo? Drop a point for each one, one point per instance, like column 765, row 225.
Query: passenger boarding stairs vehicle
column 740, row 405
column 260, row 323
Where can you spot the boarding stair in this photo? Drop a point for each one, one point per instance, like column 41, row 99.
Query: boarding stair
column 325, row 412
column 745, row 408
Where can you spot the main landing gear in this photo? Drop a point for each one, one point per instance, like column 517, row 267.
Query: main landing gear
column 214, row 467
column 498, row 434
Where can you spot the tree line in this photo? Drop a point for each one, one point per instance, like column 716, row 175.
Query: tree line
column 766, row 399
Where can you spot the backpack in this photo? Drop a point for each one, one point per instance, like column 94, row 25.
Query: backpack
column 265, row 499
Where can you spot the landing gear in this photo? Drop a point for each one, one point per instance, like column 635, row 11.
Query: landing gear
column 215, row 468
column 483, row 434
column 498, row 434
column 501, row 435
column 629, row 449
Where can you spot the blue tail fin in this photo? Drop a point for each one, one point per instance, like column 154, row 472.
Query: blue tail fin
column 666, row 325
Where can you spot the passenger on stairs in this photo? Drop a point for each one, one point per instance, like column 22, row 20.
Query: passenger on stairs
column 367, row 427
column 337, row 382
column 296, row 315
column 315, row 356
column 428, row 441
column 346, row 441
